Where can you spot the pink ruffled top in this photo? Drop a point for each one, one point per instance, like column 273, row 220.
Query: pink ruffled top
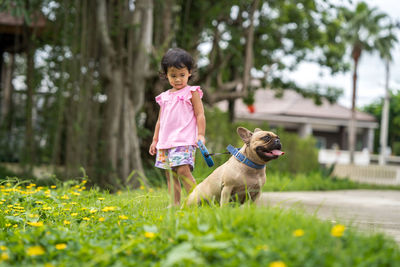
column 178, row 124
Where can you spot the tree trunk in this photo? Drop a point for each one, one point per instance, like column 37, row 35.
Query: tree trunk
column 28, row 157
column 352, row 127
column 8, row 70
column 248, row 60
column 136, row 82
column 385, row 118
column 125, row 85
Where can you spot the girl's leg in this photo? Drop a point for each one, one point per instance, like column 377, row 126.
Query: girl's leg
column 186, row 176
column 175, row 193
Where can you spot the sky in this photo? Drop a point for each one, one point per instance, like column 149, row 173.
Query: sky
column 371, row 72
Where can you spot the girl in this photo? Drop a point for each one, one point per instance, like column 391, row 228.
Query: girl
column 181, row 123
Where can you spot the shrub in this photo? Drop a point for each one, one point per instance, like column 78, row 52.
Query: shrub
column 301, row 155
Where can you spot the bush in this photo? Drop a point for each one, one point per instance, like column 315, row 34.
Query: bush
column 301, row 155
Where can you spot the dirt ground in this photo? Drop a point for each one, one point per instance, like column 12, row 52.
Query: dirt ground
column 368, row 210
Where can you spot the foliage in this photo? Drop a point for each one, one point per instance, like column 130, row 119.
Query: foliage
column 394, row 121
column 68, row 225
column 301, row 155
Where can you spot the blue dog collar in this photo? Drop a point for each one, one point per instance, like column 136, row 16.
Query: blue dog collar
column 242, row 158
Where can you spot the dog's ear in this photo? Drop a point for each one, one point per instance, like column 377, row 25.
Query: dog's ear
column 244, row 134
column 257, row 130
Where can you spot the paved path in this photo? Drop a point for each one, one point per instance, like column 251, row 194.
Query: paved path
column 371, row 210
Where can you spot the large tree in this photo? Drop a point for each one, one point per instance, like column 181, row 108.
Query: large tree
column 126, row 39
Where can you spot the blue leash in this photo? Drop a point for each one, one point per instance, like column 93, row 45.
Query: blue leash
column 231, row 150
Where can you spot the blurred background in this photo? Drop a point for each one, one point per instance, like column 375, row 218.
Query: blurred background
column 78, row 81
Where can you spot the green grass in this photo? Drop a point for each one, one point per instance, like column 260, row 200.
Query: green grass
column 91, row 228
column 315, row 182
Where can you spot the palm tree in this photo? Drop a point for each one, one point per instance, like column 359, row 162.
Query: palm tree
column 384, row 46
column 361, row 31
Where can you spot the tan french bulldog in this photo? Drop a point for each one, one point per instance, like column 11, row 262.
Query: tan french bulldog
column 243, row 175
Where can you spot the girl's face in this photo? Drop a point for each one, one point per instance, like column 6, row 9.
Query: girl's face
column 178, row 78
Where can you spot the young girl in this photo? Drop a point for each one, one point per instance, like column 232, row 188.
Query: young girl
column 181, row 123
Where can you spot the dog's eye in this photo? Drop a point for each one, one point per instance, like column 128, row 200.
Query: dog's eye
column 267, row 138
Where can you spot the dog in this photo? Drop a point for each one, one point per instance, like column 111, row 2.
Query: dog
column 243, row 175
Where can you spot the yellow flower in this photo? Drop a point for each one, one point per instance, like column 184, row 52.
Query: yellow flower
column 66, row 222
column 8, row 224
column 142, row 187
column 93, row 211
column 74, row 214
column 3, row 248
column 277, row 264
column 86, row 219
column 101, row 219
column 35, row 251
column 101, row 198
column 53, row 186
column 75, row 193
column 64, row 197
column 149, row 234
column 36, row 224
column 123, row 217
column 61, row 246
column 84, row 181
column 108, row 208
column 46, row 208
column 298, row 233
column 338, row 230
column 4, row 256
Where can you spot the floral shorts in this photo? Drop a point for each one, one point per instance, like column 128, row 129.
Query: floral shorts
column 175, row 156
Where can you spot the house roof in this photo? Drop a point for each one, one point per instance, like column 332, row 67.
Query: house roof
column 11, row 30
column 293, row 107
column 8, row 21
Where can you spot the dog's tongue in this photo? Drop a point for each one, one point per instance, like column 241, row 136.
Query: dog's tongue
column 277, row 152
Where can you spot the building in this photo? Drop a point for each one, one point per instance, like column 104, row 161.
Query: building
column 328, row 123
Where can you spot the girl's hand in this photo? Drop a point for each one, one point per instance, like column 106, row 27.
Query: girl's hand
column 153, row 149
column 201, row 138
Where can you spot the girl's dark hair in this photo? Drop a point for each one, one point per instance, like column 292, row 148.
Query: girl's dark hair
column 178, row 58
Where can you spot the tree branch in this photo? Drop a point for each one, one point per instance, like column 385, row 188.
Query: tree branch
column 103, row 29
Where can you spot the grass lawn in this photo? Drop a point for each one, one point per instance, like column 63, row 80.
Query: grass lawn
column 69, row 225
column 315, row 182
